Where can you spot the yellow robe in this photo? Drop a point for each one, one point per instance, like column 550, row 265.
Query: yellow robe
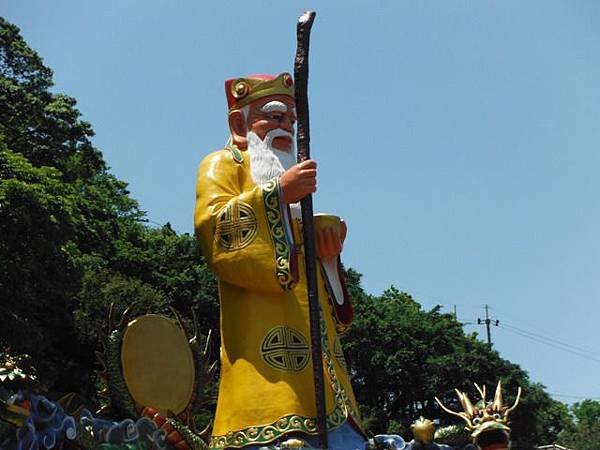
column 266, row 388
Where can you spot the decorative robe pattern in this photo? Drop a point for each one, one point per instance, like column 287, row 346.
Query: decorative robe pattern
column 266, row 388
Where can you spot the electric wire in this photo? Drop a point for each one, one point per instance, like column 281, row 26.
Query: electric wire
column 557, row 341
column 579, row 348
column 575, row 397
column 527, row 335
column 554, row 343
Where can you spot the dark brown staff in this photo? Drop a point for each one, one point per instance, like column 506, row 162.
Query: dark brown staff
column 303, row 142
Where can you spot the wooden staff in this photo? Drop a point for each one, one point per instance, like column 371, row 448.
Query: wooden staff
column 303, row 144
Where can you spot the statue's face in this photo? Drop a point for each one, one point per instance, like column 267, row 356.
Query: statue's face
column 271, row 113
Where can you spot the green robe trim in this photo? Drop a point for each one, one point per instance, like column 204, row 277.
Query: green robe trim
column 283, row 271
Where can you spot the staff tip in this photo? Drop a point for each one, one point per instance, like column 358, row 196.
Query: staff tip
column 307, row 16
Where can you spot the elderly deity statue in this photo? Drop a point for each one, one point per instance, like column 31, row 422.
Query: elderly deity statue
column 247, row 220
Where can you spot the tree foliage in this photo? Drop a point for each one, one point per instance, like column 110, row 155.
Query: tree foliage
column 73, row 241
column 39, row 270
column 43, row 126
column 583, row 433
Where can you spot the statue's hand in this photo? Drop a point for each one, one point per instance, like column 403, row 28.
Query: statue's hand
column 329, row 243
column 298, row 181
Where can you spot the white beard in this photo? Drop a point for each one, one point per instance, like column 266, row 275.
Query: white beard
column 267, row 162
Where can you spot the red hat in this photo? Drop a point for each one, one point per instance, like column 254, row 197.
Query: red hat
column 243, row 91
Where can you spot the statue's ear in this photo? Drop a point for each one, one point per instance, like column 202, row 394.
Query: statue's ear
column 238, row 128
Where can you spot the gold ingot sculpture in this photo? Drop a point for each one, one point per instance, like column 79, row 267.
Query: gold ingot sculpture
column 423, row 430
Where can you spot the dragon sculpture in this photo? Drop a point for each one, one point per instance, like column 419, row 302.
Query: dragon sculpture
column 486, row 421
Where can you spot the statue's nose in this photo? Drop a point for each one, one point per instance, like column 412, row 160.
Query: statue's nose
column 287, row 124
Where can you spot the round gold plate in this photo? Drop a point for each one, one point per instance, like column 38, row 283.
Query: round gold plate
column 158, row 365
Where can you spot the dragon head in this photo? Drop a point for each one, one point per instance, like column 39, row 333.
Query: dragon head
column 486, row 421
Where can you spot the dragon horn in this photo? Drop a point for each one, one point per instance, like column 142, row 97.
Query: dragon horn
column 497, row 405
column 481, row 391
column 465, row 401
column 462, row 415
column 509, row 410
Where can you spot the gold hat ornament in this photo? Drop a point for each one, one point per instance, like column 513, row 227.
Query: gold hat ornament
column 243, row 91
column 484, row 415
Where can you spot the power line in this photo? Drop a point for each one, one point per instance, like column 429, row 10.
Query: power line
column 548, row 343
column 548, row 338
column 576, row 397
column 545, row 336
column 552, row 343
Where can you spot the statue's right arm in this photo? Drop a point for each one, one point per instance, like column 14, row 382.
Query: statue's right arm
column 242, row 232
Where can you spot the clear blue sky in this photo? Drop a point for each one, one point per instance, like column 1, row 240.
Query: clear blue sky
column 460, row 140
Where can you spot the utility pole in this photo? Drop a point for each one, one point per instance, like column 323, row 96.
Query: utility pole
column 456, row 317
column 488, row 321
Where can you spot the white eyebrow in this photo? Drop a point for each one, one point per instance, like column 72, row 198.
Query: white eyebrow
column 274, row 106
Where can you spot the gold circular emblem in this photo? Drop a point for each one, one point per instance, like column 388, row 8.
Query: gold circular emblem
column 240, row 89
column 158, row 365
column 285, row 348
column 237, row 226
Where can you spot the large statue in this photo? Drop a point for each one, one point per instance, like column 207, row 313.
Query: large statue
column 248, row 223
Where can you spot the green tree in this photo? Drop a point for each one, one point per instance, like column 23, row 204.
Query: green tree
column 71, row 226
column 102, row 289
column 173, row 264
column 46, row 128
column 584, row 432
column 587, row 411
column 62, row 211
column 43, row 126
column 39, row 269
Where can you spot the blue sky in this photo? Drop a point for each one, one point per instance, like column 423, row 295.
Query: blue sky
column 458, row 139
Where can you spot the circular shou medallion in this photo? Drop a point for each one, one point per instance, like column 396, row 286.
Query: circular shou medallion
column 236, row 226
column 285, row 348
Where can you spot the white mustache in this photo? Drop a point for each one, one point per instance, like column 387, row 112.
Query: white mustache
column 277, row 132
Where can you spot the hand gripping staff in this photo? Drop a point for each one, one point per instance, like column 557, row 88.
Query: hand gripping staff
column 303, row 144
